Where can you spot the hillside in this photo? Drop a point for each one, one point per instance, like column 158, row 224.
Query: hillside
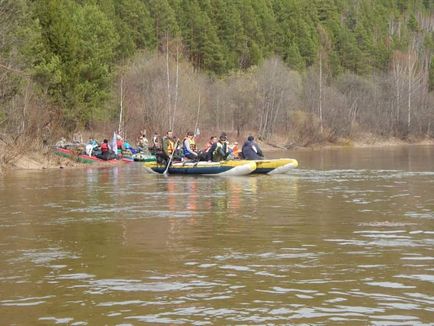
column 363, row 65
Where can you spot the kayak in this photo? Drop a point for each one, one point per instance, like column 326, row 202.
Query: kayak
column 141, row 157
column 224, row 168
column 84, row 158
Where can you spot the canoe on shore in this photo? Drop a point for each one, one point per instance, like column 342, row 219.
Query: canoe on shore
column 141, row 157
column 83, row 158
column 224, row 168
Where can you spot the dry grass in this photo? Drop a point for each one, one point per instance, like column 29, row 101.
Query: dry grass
column 25, row 153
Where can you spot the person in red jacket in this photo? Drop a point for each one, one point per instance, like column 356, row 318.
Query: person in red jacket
column 105, row 150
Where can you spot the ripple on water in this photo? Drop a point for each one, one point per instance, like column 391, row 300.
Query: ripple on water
column 421, row 215
column 281, row 290
column 65, row 320
column 157, row 319
column 418, row 277
column 355, row 175
column 32, row 301
column 106, row 285
column 392, row 285
column 44, row 257
column 423, row 258
column 76, row 276
column 236, row 268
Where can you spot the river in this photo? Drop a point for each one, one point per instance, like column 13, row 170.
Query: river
column 348, row 238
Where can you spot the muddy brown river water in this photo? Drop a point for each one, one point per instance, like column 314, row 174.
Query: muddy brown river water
column 348, row 238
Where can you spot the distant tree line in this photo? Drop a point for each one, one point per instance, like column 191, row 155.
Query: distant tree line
column 322, row 68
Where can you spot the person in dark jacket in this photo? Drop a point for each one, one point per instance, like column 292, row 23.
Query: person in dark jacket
column 251, row 150
column 219, row 151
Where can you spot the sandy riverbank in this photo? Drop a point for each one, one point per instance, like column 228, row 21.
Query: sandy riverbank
column 40, row 161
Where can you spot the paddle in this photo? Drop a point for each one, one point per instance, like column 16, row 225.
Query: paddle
column 171, row 158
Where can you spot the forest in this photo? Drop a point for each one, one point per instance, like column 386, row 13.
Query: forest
column 304, row 71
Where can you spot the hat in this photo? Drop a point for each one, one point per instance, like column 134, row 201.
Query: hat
column 250, row 138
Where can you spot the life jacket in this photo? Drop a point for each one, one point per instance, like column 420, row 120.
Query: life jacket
column 217, row 155
column 104, row 147
column 235, row 150
column 170, row 145
column 119, row 145
column 192, row 144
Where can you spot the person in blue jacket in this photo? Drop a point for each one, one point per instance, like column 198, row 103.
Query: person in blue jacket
column 251, row 150
column 189, row 147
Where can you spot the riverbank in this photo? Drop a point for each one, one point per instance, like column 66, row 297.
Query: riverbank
column 38, row 161
column 360, row 142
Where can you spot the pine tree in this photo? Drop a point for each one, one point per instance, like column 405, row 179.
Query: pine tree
column 80, row 50
column 226, row 17
column 139, row 23
column 254, row 35
column 293, row 58
column 165, row 22
column 201, row 40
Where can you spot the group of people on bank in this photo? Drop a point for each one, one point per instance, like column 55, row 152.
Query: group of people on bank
column 215, row 150
column 170, row 147
column 117, row 147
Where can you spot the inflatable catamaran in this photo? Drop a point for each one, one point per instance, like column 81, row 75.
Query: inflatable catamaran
column 225, row 168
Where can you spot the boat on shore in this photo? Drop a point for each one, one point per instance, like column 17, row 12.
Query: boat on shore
column 84, row 158
column 142, row 157
column 224, row 168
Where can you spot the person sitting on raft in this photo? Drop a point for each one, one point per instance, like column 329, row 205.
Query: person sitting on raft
column 219, row 150
column 205, row 154
column 251, row 150
column 105, row 151
column 156, row 144
column 189, row 147
column 143, row 143
column 168, row 146
column 91, row 145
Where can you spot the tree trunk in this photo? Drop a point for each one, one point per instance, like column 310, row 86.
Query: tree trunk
column 409, row 94
column 169, row 100
column 320, row 93
column 176, row 88
column 122, row 106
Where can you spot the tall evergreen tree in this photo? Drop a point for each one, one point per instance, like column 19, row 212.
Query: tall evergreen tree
column 80, row 50
column 165, row 21
column 200, row 37
column 226, row 17
column 139, row 23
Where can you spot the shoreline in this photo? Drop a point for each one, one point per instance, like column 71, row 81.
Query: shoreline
column 350, row 144
column 49, row 161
